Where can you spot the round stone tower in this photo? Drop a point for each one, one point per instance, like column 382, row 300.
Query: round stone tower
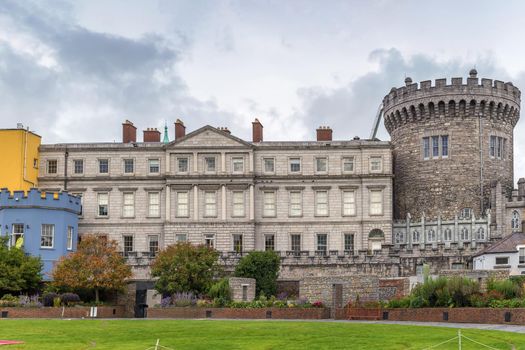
column 451, row 143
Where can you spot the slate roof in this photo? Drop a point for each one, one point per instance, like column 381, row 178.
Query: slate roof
column 506, row 245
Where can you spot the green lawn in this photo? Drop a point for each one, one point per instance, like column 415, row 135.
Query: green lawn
column 211, row 335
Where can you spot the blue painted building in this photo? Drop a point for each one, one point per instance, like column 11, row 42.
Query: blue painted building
column 44, row 224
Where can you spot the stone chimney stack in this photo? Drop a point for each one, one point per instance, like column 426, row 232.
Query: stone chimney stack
column 257, row 128
column 324, row 133
column 151, row 135
column 180, row 129
column 129, row 132
column 521, row 187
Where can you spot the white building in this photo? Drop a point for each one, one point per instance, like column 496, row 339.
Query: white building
column 507, row 254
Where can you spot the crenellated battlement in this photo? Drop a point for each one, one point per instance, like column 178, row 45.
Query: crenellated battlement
column 35, row 198
column 413, row 102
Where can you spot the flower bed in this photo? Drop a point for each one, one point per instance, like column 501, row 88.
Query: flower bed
column 62, row 312
column 240, row 313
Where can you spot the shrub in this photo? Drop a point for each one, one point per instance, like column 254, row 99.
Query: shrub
column 165, row 302
column 432, row 292
column 204, row 303
column 184, row 267
column 219, row 302
column 57, row 302
column 184, row 299
column 69, row 299
column 8, row 300
column 280, row 304
column 301, row 302
column 49, row 298
column 263, row 267
column 9, row 297
column 507, row 303
column 19, row 272
column 29, row 301
column 508, row 288
column 220, row 289
column 461, row 289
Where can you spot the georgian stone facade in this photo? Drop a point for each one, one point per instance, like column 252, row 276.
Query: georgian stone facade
column 299, row 198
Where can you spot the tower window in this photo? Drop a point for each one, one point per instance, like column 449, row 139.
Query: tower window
column 497, row 147
column 435, row 147
column 515, row 221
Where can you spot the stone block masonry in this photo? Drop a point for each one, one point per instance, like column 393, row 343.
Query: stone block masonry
column 365, row 288
column 451, row 142
column 242, row 289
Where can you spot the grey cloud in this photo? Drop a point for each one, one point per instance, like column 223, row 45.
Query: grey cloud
column 350, row 109
column 101, row 80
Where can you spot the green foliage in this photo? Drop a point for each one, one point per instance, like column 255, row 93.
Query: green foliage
column 508, row 288
column 441, row 292
column 184, row 267
column 461, row 289
column 264, row 267
column 506, row 303
column 18, row 271
column 220, row 289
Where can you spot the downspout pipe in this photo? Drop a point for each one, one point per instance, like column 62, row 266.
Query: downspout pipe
column 24, row 176
column 66, row 156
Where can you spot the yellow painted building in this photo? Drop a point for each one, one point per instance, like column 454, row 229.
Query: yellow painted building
column 18, row 159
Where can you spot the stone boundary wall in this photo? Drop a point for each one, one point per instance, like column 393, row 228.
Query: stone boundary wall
column 455, row 315
column 366, row 287
column 58, row 312
column 482, row 276
column 391, row 288
column 264, row 313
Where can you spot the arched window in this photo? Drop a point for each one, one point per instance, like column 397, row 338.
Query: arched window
column 515, row 223
column 399, row 238
column 463, row 236
column 481, row 234
column 415, row 236
column 431, row 235
column 447, row 235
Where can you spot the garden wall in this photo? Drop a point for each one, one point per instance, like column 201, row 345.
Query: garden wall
column 391, row 288
column 456, row 315
column 366, row 287
column 58, row 312
column 275, row 313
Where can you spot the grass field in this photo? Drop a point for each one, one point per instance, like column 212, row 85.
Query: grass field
column 211, row 335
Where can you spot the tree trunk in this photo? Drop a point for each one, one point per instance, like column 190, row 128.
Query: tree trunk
column 96, row 296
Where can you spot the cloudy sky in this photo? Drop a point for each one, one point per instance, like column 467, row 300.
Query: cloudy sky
column 75, row 70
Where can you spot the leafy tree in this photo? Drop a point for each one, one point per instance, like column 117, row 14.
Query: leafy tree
column 264, row 267
column 184, row 267
column 96, row 265
column 18, row 271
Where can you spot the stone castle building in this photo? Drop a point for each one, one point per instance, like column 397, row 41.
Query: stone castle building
column 312, row 198
column 451, row 144
column 439, row 192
